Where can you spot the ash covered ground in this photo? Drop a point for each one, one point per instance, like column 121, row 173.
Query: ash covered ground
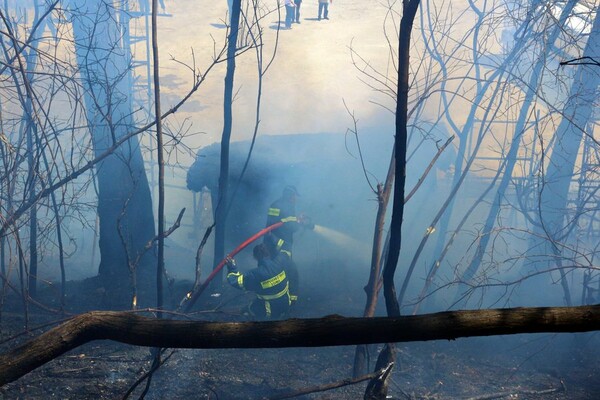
column 508, row 367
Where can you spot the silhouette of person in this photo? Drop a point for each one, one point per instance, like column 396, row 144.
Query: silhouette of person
column 324, row 8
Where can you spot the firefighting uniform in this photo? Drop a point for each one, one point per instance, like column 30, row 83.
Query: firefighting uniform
column 270, row 283
column 281, row 240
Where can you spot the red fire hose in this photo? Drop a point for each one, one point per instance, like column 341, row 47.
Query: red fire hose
column 193, row 296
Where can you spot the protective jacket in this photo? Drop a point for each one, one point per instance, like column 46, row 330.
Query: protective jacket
column 270, row 283
column 282, row 238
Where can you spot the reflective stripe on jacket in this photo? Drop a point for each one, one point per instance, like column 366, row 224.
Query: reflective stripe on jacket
column 270, row 283
column 281, row 238
column 268, row 280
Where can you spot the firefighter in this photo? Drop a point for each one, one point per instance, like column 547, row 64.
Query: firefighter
column 280, row 241
column 268, row 280
column 283, row 209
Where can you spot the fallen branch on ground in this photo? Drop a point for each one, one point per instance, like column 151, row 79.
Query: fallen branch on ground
column 127, row 327
column 329, row 386
column 518, row 393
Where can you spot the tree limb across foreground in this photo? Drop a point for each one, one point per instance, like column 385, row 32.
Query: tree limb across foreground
column 126, row 327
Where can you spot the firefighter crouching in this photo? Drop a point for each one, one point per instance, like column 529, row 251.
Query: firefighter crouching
column 268, row 280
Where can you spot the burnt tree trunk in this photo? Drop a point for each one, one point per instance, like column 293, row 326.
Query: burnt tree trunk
column 373, row 286
column 134, row 329
column 222, row 202
column 161, row 164
column 126, row 219
column 377, row 389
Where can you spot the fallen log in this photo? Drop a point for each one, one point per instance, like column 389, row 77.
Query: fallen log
column 130, row 328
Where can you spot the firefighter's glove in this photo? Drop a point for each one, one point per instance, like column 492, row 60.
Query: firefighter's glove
column 231, row 265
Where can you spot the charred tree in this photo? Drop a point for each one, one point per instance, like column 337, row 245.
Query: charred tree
column 124, row 201
column 374, row 284
column 377, row 389
column 222, row 202
column 161, row 163
column 409, row 11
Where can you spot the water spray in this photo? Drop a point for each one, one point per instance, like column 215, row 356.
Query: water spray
column 336, row 237
column 339, row 238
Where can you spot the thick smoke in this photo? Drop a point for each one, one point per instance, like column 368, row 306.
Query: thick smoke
column 330, row 172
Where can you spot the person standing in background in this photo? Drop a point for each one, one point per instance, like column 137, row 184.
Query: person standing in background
column 298, row 3
column 290, row 13
column 324, row 8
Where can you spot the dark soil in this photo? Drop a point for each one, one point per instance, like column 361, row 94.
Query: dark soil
column 508, row 367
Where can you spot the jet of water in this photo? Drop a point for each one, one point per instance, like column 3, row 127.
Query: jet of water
column 341, row 239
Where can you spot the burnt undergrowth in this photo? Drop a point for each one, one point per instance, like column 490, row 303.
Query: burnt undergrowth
column 540, row 366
